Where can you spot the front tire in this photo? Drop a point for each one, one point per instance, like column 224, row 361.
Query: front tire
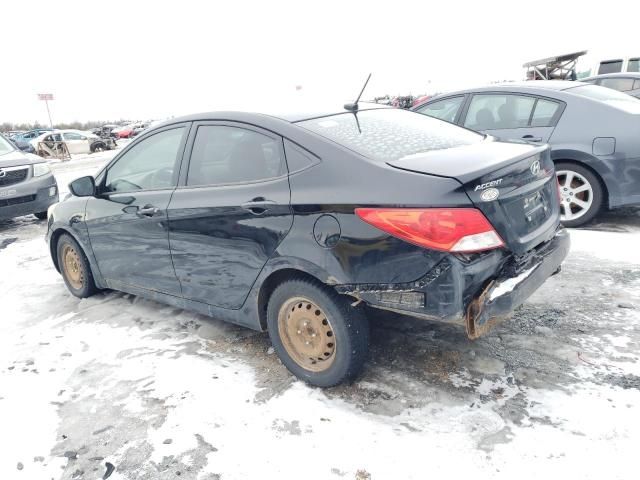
column 316, row 333
column 581, row 195
column 41, row 215
column 75, row 267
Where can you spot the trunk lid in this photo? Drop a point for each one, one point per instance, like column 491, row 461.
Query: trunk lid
column 513, row 184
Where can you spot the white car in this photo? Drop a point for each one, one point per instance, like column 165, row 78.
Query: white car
column 76, row 141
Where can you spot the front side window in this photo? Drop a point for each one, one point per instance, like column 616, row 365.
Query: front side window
column 445, row 109
column 151, row 164
column 610, row 66
column 545, row 113
column 390, row 134
column 498, row 111
column 223, row 155
column 621, row 84
column 633, row 65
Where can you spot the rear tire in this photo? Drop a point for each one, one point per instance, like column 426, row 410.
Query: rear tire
column 74, row 267
column 41, row 215
column 316, row 333
column 581, row 194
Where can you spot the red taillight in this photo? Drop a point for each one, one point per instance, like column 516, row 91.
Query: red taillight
column 448, row 229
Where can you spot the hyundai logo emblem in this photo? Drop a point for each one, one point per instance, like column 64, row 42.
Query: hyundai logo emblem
column 2, row 173
column 490, row 194
column 535, row 167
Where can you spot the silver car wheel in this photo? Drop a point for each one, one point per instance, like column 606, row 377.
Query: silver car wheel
column 576, row 194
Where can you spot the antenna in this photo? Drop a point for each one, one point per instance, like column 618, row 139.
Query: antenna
column 354, row 106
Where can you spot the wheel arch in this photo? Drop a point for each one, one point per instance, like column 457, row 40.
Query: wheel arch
column 53, row 245
column 278, row 276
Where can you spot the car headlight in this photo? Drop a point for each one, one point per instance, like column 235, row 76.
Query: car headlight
column 40, row 169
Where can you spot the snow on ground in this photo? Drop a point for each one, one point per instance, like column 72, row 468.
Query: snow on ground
column 159, row 392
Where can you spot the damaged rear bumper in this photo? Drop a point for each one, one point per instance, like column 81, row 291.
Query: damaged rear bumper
column 504, row 294
column 477, row 291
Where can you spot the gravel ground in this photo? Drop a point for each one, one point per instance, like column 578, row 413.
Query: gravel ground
column 119, row 387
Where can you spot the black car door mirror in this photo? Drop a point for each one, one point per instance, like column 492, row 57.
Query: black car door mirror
column 83, row 187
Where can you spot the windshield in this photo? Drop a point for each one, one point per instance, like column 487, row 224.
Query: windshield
column 390, row 134
column 5, row 146
column 609, row 96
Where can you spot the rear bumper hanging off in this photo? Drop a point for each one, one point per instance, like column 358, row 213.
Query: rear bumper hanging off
column 504, row 294
column 477, row 293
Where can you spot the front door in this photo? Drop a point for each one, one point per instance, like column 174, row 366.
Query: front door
column 230, row 212
column 513, row 117
column 127, row 220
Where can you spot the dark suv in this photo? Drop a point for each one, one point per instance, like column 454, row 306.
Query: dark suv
column 26, row 183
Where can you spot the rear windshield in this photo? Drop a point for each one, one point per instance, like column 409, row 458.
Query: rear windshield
column 390, row 134
column 609, row 96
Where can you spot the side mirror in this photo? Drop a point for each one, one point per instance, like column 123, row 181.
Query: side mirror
column 83, row 187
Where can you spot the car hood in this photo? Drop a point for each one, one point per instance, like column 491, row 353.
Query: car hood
column 15, row 158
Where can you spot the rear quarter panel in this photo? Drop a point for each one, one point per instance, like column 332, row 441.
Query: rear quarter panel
column 343, row 181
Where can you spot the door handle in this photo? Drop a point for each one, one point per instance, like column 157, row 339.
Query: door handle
column 531, row 138
column 147, row 211
column 258, row 205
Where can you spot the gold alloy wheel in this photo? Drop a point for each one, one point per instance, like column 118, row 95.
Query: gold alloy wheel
column 306, row 334
column 72, row 267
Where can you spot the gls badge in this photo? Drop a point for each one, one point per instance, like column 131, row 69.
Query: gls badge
column 490, row 194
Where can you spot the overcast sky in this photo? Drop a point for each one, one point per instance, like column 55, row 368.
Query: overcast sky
column 135, row 59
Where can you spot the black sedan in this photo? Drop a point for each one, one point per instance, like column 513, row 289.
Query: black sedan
column 294, row 224
column 594, row 134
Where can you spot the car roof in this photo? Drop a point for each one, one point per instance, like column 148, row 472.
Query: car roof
column 534, row 87
column 614, row 75
column 291, row 115
column 538, row 85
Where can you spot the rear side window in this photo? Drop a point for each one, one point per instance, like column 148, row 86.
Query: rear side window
column 633, row 65
column 390, row 134
column 445, row 109
column 610, row 66
column 545, row 113
column 621, row 84
column 499, row 111
column 222, row 155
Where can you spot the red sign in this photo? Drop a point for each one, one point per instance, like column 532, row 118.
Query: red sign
column 45, row 96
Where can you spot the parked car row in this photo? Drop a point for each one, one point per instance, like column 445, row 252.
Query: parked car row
column 57, row 142
column 122, row 131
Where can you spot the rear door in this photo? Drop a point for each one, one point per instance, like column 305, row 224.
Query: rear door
column 510, row 116
column 230, row 212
